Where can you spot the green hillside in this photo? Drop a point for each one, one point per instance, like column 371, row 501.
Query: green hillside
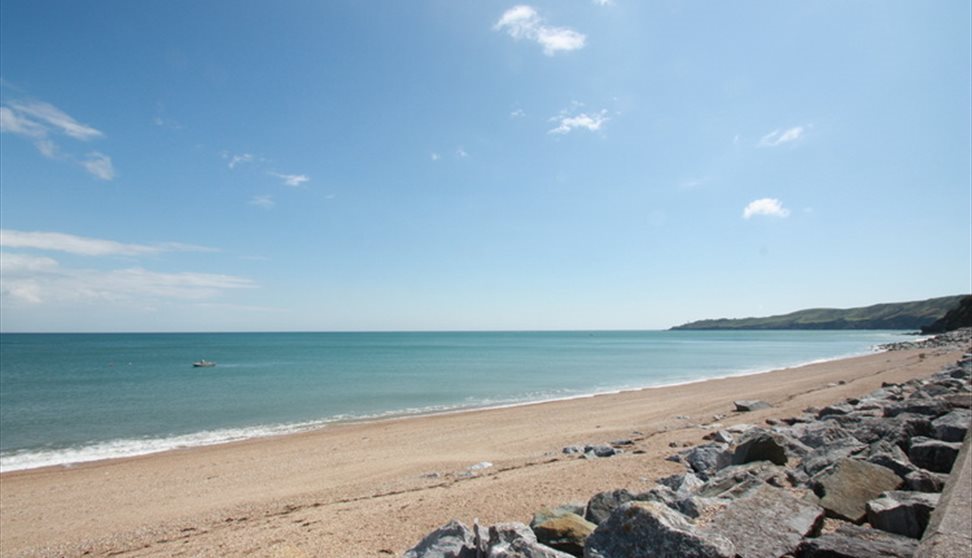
column 896, row 315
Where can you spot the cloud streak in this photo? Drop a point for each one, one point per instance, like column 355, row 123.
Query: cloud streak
column 86, row 246
column 781, row 137
column 770, row 207
column 292, row 180
column 567, row 122
column 523, row 22
column 39, row 121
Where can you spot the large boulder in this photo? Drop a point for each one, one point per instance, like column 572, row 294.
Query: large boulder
column 851, row 541
column 516, row 540
column 846, row 488
column 643, row 529
column 546, row 514
column 748, row 405
column 927, row 406
column 566, row 533
column 738, row 480
column 602, row 504
column 452, row 540
column 953, row 426
column 819, row 433
column 934, row 455
column 706, row 459
column 760, row 445
column 824, row 457
column 902, row 513
column 767, row 523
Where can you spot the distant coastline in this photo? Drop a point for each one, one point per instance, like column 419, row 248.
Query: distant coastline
column 896, row 316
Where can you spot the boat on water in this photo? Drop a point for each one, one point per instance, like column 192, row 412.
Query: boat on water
column 203, row 364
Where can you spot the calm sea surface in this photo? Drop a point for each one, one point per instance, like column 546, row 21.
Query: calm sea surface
column 67, row 398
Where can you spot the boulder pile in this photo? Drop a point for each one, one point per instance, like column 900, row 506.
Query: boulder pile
column 858, row 479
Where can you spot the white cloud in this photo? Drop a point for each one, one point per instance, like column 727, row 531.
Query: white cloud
column 771, row 207
column 50, row 116
column 604, row 2
column 38, row 121
column 567, row 122
column 435, row 156
column 266, row 202
column 780, row 137
column 99, row 165
column 523, row 22
column 461, row 153
column 294, row 180
column 85, row 246
column 518, row 113
column 237, row 159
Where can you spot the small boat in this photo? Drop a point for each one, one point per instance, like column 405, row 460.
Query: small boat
column 203, row 364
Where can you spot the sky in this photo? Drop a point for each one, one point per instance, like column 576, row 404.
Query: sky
column 458, row 165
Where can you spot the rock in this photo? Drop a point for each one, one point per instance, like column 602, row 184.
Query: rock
column 453, row 540
column 767, row 523
column 845, row 489
column 897, row 430
column 516, row 540
column 851, row 541
column 902, row 513
column 921, row 480
column 959, row 400
column 639, row 529
column 601, row 450
column 760, row 445
column 746, row 406
column 681, row 484
column 953, row 426
column 547, row 514
column 739, row 480
column 602, row 504
column 720, row 436
column 832, row 410
column 566, row 533
column 826, row 456
column 707, row 459
column 918, row 406
column 934, row 455
column 573, row 450
column 891, row 456
column 820, row 433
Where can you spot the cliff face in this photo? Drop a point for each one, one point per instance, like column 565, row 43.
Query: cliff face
column 958, row 317
column 899, row 315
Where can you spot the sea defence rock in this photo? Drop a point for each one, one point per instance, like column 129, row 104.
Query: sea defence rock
column 934, row 455
column 846, row 489
column 652, row 529
column 602, row 505
column 767, row 523
column 902, row 513
column 452, row 540
column 566, row 533
column 760, row 445
column 851, row 541
column 748, row 405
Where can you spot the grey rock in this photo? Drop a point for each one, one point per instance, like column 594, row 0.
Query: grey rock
column 600, row 450
column 745, row 406
column 845, row 489
column 515, row 540
column 959, row 400
column 641, row 529
column 547, row 514
column 918, row 406
column 707, row 459
column 819, row 433
column 573, row 450
column 897, row 430
column 682, row 484
column 720, row 436
column 566, row 533
column 826, row 456
column 902, row 513
column 934, row 455
column 851, row 541
column 602, row 504
column 921, row 480
column 452, row 540
column 739, row 480
column 760, row 445
column 952, row 426
column 832, row 410
column 767, row 523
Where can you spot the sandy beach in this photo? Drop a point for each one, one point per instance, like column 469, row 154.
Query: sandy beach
column 374, row 489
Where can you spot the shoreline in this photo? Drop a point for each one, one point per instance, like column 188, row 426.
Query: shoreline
column 267, row 431
column 375, row 488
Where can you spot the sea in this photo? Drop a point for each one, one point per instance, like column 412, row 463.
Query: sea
column 71, row 398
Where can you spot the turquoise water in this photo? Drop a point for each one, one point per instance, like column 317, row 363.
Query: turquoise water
column 76, row 397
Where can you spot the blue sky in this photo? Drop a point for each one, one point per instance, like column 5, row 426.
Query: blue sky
column 440, row 165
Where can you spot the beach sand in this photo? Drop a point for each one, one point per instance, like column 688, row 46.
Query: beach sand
column 376, row 488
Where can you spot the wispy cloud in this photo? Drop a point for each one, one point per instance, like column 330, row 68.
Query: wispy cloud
column 770, row 207
column 99, row 165
column 265, row 202
column 604, row 2
column 39, row 122
column 435, row 156
column 86, row 246
column 236, row 159
column 293, row 180
column 568, row 121
column 518, row 113
column 523, row 22
column 461, row 153
column 780, row 137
